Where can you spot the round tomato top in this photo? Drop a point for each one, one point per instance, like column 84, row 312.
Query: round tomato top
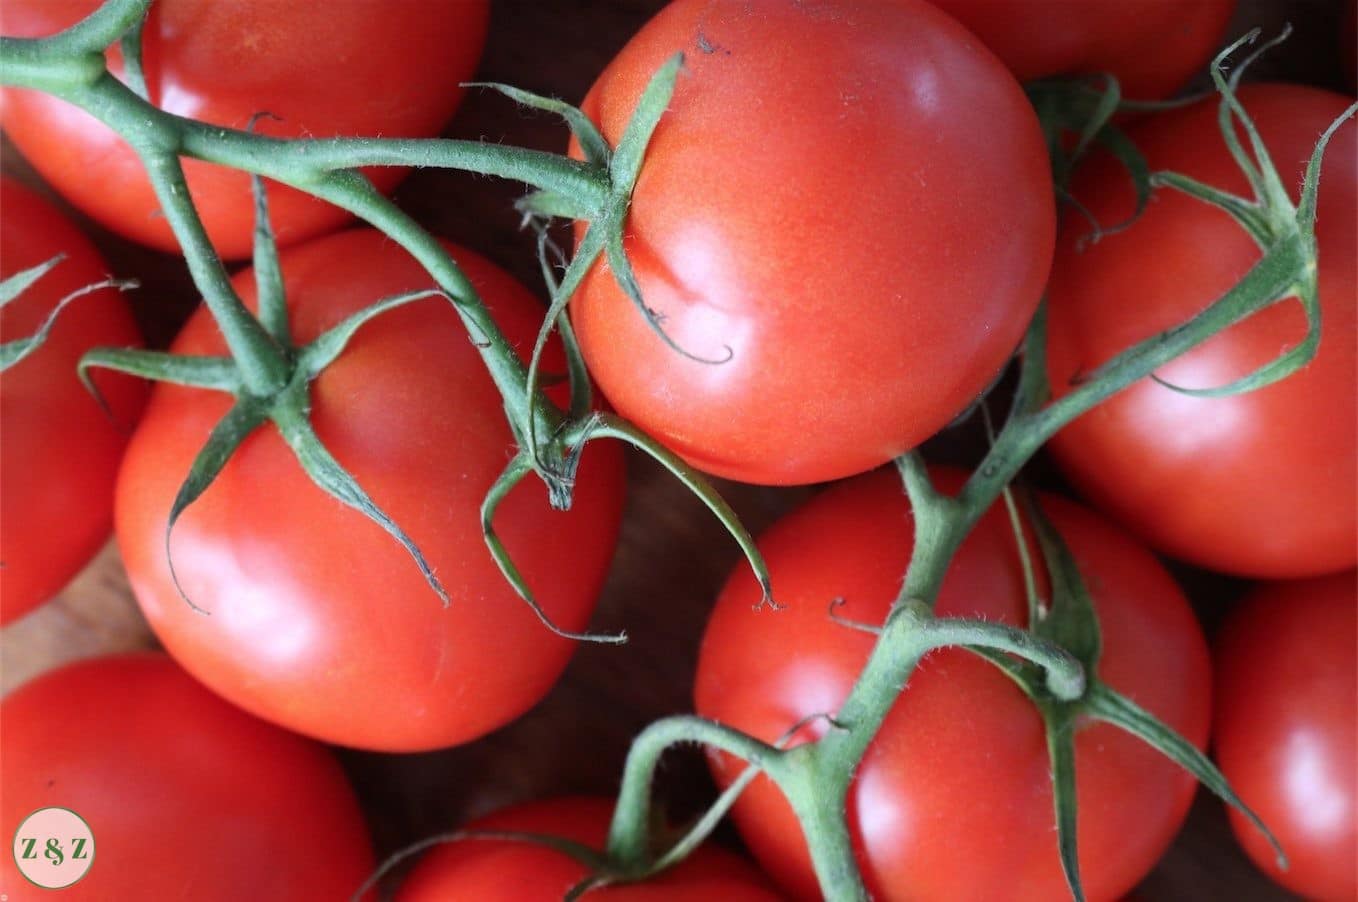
column 317, row 618
column 320, row 69
column 1264, row 483
column 185, row 795
column 501, row 870
column 1152, row 46
column 851, row 202
column 1285, row 729
column 953, row 799
column 60, row 451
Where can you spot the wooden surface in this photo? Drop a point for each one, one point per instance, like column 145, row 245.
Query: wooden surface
column 672, row 557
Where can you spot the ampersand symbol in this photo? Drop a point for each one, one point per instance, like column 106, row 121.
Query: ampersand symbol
column 54, row 851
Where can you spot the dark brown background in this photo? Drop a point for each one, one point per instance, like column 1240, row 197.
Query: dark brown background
column 672, row 557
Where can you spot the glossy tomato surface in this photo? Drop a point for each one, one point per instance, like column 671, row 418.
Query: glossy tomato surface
column 317, row 619
column 494, row 870
column 953, row 799
column 1286, row 729
column 1152, row 46
column 351, row 68
column 60, row 452
column 851, row 201
column 186, row 796
column 1260, row 484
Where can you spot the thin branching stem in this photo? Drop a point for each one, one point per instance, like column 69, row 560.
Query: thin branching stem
column 814, row 776
column 627, row 839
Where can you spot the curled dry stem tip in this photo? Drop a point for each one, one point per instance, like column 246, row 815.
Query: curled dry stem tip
column 859, row 625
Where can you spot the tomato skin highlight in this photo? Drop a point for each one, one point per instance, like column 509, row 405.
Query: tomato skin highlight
column 60, row 453
column 854, row 199
column 322, row 69
column 491, row 870
column 319, row 621
column 1284, row 729
column 184, row 793
column 953, row 799
column 1262, row 484
column 1152, row 46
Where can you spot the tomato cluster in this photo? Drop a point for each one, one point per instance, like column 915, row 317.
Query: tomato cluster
column 846, row 234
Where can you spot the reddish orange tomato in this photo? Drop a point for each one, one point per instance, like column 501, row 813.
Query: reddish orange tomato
column 1260, row 484
column 317, row 619
column 494, row 870
column 1285, row 732
column 953, row 799
column 851, row 201
column 324, row 69
column 60, row 452
column 186, row 796
column 1152, row 46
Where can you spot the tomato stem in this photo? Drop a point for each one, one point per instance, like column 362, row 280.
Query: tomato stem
column 263, row 364
column 818, row 790
column 628, row 843
column 71, row 65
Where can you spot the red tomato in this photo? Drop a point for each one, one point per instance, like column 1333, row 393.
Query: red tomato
column 325, row 69
column 953, row 799
column 60, row 452
column 186, row 796
column 504, row 871
column 319, row 620
column 1284, row 731
column 1152, row 46
column 1263, row 484
column 854, row 199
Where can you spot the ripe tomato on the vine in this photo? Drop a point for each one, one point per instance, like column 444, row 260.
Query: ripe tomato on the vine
column 851, row 202
column 953, row 799
column 502, row 870
column 1260, row 484
column 185, row 795
column 1152, row 46
column 317, row 619
column 1285, row 732
column 319, row 69
column 60, row 451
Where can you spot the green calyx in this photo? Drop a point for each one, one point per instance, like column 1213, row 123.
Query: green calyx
column 287, row 408
column 555, row 458
column 1068, row 621
column 1080, row 108
column 1269, row 216
column 267, row 374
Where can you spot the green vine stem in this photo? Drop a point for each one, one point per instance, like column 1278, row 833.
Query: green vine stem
column 71, row 65
column 815, row 776
column 322, row 167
